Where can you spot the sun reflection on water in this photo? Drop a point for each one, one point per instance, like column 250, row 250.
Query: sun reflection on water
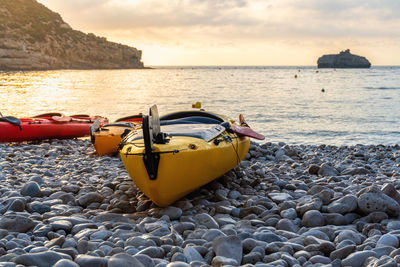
column 353, row 108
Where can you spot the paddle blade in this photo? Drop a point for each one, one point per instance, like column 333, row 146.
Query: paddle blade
column 242, row 121
column 61, row 118
column 246, row 131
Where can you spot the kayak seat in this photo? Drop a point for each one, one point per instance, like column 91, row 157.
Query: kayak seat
column 13, row 120
column 203, row 131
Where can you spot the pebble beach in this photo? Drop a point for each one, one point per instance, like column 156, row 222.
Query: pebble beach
column 284, row 205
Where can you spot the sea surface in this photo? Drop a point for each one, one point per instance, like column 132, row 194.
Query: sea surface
column 295, row 105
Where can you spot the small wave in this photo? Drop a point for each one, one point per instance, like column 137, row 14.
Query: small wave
column 267, row 120
column 381, row 88
column 322, row 133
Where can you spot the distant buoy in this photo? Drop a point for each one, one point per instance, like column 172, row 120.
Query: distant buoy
column 295, row 76
column 316, row 71
column 197, row 105
column 323, row 90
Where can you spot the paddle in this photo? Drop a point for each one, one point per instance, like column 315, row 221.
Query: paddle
column 12, row 120
column 69, row 119
column 92, row 129
column 244, row 129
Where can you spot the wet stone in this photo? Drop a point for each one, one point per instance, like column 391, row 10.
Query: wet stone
column 31, row 189
column 89, row 261
column 65, row 263
column 124, row 260
column 46, row 258
column 228, row 247
column 16, row 223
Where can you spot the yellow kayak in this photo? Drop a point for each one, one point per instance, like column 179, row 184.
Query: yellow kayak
column 106, row 139
column 186, row 150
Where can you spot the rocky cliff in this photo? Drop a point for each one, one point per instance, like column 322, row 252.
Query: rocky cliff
column 343, row 60
column 32, row 37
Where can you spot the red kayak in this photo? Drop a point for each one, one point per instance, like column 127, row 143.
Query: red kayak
column 46, row 126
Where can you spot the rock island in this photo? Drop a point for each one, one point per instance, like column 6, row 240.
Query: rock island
column 343, row 60
column 32, row 37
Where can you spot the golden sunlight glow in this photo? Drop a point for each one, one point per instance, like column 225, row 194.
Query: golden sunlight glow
column 209, row 32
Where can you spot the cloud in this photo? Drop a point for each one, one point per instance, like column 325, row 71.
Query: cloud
column 265, row 19
column 240, row 24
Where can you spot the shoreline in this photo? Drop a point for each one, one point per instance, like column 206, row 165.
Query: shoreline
column 289, row 205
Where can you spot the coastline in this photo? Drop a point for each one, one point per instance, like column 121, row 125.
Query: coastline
column 289, row 205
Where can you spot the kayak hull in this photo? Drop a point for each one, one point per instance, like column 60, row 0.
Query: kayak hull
column 186, row 163
column 32, row 129
column 107, row 138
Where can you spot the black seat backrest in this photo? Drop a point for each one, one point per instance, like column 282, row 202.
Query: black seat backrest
column 191, row 113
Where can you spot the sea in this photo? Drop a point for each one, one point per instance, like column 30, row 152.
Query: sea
column 295, row 105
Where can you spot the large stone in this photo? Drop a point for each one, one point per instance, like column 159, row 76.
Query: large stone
column 211, row 234
column 124, row 260
column 89, row 198
column 349, row 235
column 334, row 219
column 280, row 197
column 16, row 223
column 313, row 218
column 65, row 263
column 41, row 259
column 391, row 191
column 219, row 261
column 206, row 220
column 375, row 200
column 90, row 261
column 342, row 253
column 31, row 189
column 388, row 240
column 357, row 259
column 172, row 212
column 110, row 217
column 152, row 252
column 327, row 170
column 17, row 205
column 343, row 205
column 192, row 254
column 355, row 171
column 61, row 225
column 228, row 247
column 308, row 203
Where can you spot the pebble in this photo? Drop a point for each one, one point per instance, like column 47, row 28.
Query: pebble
column 65, row 263
column 288, row 205
column 16, row 223
column 45, row 258
column 172, row 212
column 206, row 220
column 228, row 247
column 388, row 240
column 88, row 261
column 89, row 198
column 124, row 260
column 31, row 189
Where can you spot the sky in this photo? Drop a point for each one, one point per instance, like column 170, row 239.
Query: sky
column 241, row 32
